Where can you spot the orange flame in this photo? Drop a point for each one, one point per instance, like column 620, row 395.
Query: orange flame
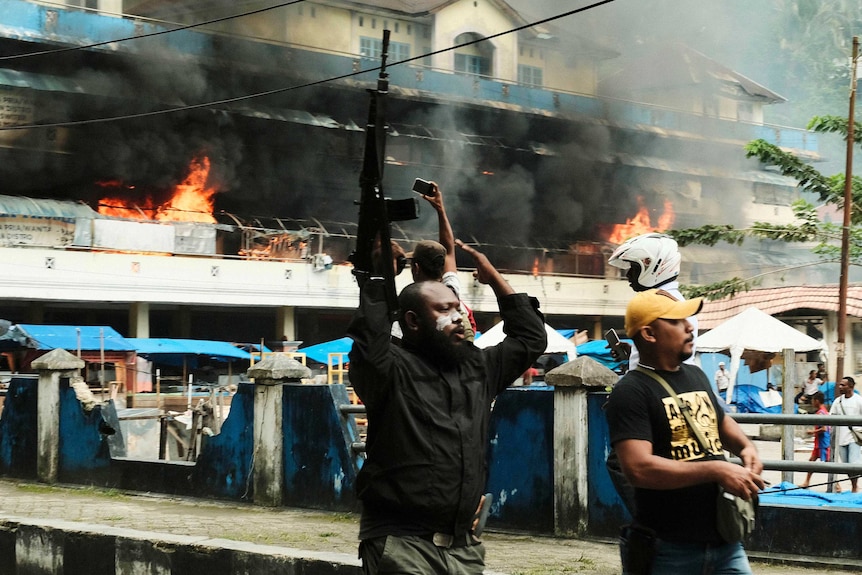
column 192, row 200
column 641, row 223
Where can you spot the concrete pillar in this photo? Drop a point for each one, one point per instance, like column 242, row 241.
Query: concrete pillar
column 598, row 329
column 788, row 431
column 139, row 319
column 36, row 312
column 270, row 376
column 52, row 366
column 572, row 382
column 182, row 322
column 285, row 323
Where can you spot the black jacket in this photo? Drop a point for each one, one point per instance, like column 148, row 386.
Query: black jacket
column 427, row 427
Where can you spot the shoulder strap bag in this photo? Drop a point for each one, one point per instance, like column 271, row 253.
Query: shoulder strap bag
column 856, row 433
column 735, row 517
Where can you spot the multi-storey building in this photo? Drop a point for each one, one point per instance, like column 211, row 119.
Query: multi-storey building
column 543, row 164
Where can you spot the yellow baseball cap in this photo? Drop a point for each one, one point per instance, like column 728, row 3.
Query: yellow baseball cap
column 648, row 306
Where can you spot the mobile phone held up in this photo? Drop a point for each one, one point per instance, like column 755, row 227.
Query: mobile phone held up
column 423, row 187
column 614, row 343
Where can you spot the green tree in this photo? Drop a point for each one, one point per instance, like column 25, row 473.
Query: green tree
column 812, row 38
column 808, row 227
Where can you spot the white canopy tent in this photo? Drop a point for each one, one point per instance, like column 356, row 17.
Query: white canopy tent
column 753, row 330
column 556, row 342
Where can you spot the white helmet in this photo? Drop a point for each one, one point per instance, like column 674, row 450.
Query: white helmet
column 653, row 259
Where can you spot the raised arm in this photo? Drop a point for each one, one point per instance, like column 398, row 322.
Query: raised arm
column 486, row 273
column 446, row 236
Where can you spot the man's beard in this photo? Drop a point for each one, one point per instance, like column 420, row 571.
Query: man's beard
column 684, row 355
column 441, row 348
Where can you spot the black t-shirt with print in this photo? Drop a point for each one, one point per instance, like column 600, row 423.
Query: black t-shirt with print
column 640, row 408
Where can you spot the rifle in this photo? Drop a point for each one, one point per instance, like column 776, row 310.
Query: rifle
column 375, row 210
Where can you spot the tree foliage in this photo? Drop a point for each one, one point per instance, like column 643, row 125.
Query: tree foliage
column 807, row 228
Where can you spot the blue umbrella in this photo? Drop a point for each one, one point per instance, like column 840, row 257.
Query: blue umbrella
column 320, row 352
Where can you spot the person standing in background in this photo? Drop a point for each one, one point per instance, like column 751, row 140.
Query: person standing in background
column 821, row 433
column 722, row 379
column 847, row 445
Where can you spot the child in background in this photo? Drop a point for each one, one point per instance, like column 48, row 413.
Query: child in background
column 822, row 435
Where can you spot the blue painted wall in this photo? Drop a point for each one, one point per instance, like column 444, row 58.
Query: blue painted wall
column 18, row 438
column 87, row 439
column 319, row 467
column 85, row 452
column 606, row 509
column 224, row 464
column 520, row 460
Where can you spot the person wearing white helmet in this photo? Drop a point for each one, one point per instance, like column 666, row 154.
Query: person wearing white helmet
column 651, row 261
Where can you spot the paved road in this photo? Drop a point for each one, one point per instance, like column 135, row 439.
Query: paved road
column 304, row 529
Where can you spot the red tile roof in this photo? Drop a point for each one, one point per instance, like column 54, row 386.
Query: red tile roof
column 778, row 300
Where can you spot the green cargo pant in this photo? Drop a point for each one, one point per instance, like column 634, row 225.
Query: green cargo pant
column 413, row 555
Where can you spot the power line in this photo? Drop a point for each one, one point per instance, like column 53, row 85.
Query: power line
column 147, row 35
column 225, row 101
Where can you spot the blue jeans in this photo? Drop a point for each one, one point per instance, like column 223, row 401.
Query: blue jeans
column 696, row 559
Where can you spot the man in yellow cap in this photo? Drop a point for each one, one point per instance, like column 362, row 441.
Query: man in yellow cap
column 676, row 482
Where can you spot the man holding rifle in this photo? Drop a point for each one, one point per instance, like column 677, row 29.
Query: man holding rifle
column 428, row 404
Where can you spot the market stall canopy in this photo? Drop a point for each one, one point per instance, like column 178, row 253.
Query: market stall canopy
column 753, row 330
column 320, row 352
column 556, row 342
column 68, row 337
column 598, row 350
column 187, row 351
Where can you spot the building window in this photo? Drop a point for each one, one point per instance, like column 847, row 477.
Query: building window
column 374, row 23
column 409, row 29
column 471, row 64
column 361, row 21
column 372, row 48
column 530, row 76
column 396, row 27
column 313, row 12
column 745, row 111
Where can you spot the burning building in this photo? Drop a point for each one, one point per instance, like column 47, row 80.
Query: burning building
column 258, row 121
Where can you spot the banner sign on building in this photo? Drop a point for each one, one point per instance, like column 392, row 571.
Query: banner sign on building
column 16, row 109
column 36, row 231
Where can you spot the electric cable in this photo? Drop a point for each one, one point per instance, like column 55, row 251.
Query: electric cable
column 299, row 86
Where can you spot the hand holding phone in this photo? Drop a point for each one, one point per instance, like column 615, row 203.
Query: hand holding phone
column 618, row 350
column 423, row 187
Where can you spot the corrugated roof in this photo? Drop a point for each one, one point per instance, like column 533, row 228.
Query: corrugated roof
column 35, row 81
column 779, row 300
column 24, row 206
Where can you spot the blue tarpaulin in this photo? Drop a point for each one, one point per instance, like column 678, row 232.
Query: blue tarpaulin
column 68, row 337
column 180, row 351
column 320, row 352
column 786, row 493
column 749, row 400
column 599, row 351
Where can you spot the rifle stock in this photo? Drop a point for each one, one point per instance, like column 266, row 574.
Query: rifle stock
column 374, row 217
